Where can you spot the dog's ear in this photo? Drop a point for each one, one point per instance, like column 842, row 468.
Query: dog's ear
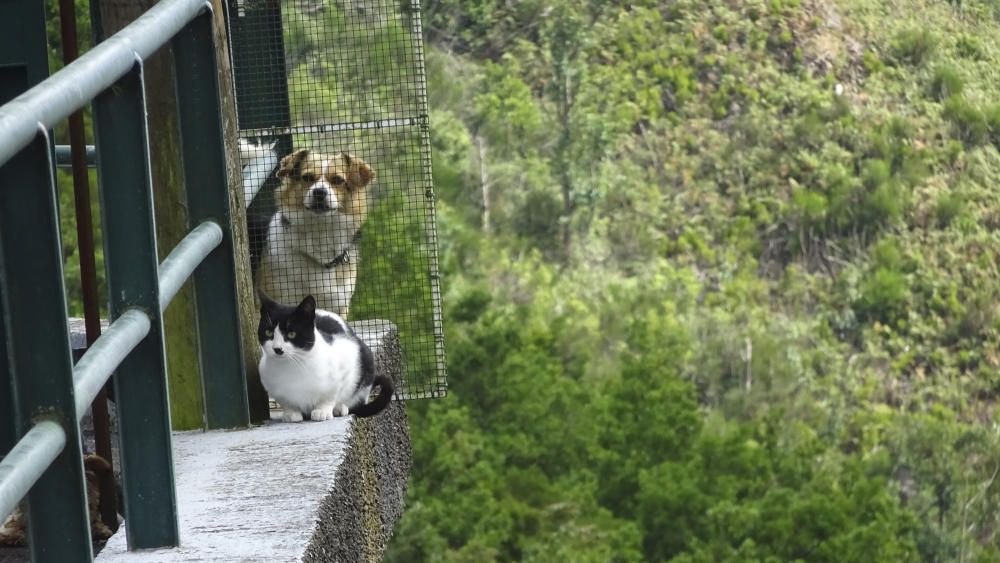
column 358, row 171
column 291, row 163
column 96, row 463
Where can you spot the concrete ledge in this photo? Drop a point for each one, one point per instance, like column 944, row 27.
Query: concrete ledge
column 323, row 491
column 248, row 494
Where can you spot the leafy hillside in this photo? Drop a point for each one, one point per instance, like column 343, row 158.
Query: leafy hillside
column 721, row 282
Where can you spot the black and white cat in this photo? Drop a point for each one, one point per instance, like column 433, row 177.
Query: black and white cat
column 315, row 365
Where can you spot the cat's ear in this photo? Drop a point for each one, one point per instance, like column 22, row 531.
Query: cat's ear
column 308, row 305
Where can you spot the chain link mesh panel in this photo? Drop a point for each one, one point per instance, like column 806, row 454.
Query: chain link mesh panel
column 351, row 220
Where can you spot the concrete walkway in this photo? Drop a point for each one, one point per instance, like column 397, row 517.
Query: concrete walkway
column 248, row 495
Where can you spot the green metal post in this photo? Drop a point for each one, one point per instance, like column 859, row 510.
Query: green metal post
column 36, row 378
column 207, row 187
column 23, row 53
column 23, row 63
column 38, row 352
column 261, row 98
column 8, row 437
column 131, row 262
column 256, row 29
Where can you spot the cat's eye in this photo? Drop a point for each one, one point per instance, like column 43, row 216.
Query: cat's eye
column 269, row 333
column 291, row 334
column 309, row 177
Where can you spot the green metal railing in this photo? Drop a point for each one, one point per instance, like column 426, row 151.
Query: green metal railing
column 39, row 386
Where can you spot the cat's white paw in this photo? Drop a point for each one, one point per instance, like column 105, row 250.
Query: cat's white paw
column 340, row 410
column 318, row 415
column 289, row 415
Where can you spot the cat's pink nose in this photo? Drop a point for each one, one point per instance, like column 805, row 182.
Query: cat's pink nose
column 279, row 351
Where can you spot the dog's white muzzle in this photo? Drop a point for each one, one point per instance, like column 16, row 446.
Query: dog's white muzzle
column 321, row 199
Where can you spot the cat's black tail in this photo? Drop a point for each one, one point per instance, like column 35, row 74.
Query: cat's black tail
column 385, row 390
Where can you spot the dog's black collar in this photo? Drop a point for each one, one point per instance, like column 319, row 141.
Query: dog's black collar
column 338, row 260
column 343, row 258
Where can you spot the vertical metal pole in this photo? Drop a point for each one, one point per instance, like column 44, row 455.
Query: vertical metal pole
column 88, row 266
column 131, row 262
column 208, row 199
column 39, row 356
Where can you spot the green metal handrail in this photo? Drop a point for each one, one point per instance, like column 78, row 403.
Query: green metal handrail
column 50, row 395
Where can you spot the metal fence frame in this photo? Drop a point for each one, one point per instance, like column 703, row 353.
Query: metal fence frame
column 262, row 71
column 36, row 370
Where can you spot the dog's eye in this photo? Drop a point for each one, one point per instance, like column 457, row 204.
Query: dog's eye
column 337, row 180
column 309, row 177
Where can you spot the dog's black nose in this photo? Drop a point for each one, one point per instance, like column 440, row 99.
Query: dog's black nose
column 279, row 351
column 320, row 195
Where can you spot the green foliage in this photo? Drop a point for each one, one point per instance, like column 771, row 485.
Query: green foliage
column 746, row 496
column 949, row 207
column 507, row 110
column 726, row 310
column 913, row 46
column 992, row 115
column 968, row 121
column 872, row 62
column 970, row 47
column 945, row 83
column 885, row 290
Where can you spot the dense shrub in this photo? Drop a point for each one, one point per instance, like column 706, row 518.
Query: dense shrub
column 945, row 83
column 885, row 289
column 968, row 121
column 970, row 47
column 949, row 206
column 992, row 115
column 913, row 46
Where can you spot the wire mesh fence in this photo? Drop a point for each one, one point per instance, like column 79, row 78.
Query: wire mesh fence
column 332, row 107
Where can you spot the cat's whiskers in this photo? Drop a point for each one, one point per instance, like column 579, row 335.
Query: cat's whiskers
column 297, row 359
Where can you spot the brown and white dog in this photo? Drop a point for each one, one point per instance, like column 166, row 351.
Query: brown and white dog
column 312, row 240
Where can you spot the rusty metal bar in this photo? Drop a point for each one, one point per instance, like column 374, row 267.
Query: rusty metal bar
column 88, row 265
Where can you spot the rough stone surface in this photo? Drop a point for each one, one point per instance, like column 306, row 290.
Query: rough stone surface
column 357, row 518
column 326, row 491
